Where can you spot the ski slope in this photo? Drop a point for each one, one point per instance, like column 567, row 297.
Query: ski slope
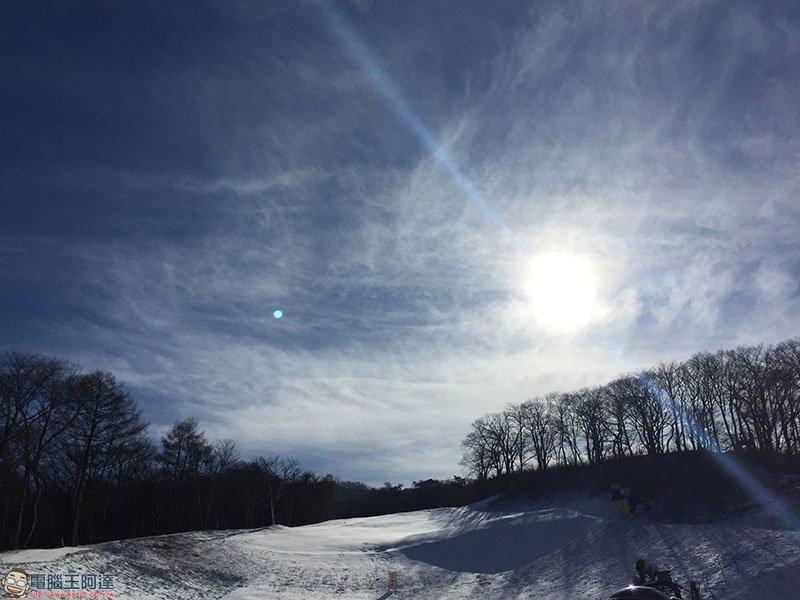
column 579, row 549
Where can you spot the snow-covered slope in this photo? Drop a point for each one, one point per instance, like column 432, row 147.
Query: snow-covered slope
column 557, row 550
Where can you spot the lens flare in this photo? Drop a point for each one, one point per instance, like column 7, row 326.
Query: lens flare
column 570, row 300
column 738, row 473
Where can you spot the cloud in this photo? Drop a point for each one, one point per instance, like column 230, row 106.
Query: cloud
column 656, row 143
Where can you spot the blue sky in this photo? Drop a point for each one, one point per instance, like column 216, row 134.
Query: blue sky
column 456, row 205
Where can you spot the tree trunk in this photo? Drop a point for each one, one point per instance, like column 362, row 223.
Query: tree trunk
column 21, row 514
column 35, row 515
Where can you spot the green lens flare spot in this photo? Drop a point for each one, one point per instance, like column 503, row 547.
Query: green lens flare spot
column 277, row 314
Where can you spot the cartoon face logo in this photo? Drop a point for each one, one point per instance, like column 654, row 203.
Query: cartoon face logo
column 16, row 583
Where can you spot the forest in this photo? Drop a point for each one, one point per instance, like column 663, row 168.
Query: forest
column 745, row 399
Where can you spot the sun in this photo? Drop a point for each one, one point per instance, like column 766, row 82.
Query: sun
column 563, row 291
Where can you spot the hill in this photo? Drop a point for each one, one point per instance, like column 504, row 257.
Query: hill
column 576, row 548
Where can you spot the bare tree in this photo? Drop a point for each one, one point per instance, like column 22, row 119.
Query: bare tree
column 704, row 376
column 107, row 429
column 476, row 459
column 37, row 410
column 764, row 391
column 23, row 379
column 540, row 427
column 589, row 410
column 788, row 374
column 185, row 450
column 223, row 456
column 488, row 435
column 666, row 377
column 279, row 472
column 567, row 427
column 618, row 413
column 647, row 414
column 514, row 418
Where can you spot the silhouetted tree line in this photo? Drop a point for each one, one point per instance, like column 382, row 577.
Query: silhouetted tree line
column 77, row 466
column 733, row 400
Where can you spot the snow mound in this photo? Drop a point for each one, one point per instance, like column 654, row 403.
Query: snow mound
column 500, row 543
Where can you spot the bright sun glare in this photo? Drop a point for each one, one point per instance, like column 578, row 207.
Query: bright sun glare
column 563, row 291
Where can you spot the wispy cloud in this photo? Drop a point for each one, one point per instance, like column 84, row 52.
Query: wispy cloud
column 658, row 143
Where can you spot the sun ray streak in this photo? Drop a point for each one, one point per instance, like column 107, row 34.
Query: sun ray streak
column 756, row 490
column 369, row 65
column 383, row 84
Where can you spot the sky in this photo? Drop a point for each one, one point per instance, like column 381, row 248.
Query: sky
column 455, row 205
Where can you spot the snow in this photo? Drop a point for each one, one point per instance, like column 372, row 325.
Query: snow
column 556, row 549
